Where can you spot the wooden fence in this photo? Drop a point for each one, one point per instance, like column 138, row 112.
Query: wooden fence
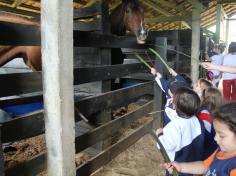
column 32, row 124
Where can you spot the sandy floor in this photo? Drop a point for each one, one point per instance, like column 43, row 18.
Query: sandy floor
column 141, row 159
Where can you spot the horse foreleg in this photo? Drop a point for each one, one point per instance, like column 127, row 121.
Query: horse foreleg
column 10, row 53
column 32, row 57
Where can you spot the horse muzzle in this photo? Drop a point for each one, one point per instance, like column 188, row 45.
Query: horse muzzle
column 141, row 36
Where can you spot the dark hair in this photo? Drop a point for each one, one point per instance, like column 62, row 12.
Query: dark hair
column 211, row 98
column 220, row 47
column 232, row 47
column 186, row 102
column 174, row 84
column 227, row 115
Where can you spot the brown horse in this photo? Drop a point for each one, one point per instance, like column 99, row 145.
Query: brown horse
column 127, row 16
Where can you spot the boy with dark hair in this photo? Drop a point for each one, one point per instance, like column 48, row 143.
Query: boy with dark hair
column 183, row 137
column 169, row 87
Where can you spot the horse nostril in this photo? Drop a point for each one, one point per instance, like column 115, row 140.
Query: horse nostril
column 142, row 34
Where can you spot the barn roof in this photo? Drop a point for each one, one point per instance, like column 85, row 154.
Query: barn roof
column 159, row 14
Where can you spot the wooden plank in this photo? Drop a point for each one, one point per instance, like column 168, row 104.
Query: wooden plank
column 111, row 152
column 24, row 127
column 106, row 130
column 94, row 25
column 31, row 167
column 93, row 10
column 86, row 39
column 1, row 154
column 113, row 99
column 21, row 100
column 31, row 81
column 18, row 34
column 33, row 124
column 20, row 83
column 106, row 72
column 18, row 11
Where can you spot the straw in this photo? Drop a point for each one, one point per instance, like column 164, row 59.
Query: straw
column 162, row 149
column 162, row 60
column 143, row 61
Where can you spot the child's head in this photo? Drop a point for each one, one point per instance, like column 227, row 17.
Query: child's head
column 219, row 48
column 186, row 102
column 211, row 98
column 232, row 48
column 200, row 85
column 224, row 121
column 174, row 85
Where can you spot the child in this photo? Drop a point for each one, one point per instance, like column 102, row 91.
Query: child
column 211, row 100
column 183, row 137
column 200, row 85
column 223, row 161
column 169, row 87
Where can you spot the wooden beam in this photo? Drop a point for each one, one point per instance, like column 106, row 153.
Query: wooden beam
column 225, row 1
column 170, row 5
column 57, row 57
column 19, row 11
column 156, row 8
column 197, row 4
column 168, row 19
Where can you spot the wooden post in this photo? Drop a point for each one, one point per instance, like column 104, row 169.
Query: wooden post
column 218, row 21
column 227, row 32
column 195, row 45
column 1, row 154
column 57, row 54
column 105, row 58
column 158, row 94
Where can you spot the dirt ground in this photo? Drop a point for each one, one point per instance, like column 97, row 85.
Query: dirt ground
column 140, row 159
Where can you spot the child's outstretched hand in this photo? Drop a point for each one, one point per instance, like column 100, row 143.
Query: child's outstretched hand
column 153, row 71
column 172, row 72
column 170, row 167
column 159, row 131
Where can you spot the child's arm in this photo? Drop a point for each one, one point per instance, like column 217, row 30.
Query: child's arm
column 187, row 168
column 173, row 72
column 162, row 83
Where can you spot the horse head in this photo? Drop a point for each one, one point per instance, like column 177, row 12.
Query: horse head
column 129, row 15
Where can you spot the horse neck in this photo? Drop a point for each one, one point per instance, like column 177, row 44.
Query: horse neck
column 117, row 21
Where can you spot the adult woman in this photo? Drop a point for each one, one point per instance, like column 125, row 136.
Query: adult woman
column 229, row 79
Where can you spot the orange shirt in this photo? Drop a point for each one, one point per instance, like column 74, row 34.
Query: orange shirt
column 218, row 154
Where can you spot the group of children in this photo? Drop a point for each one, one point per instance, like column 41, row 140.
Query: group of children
column 199, row 133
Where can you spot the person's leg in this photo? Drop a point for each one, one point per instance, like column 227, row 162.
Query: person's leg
column 227, row 89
